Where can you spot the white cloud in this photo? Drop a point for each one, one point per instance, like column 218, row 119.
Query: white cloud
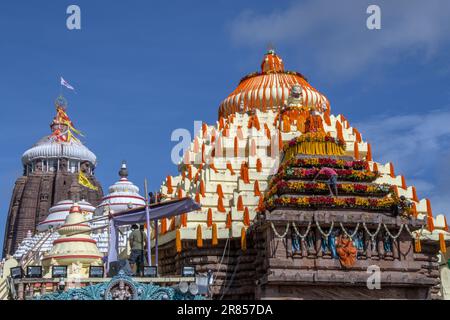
column 418, row 145
column 333, row 34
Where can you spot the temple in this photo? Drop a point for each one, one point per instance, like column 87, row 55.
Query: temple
column 51, row 170
column 289, row 204
column 268, row 217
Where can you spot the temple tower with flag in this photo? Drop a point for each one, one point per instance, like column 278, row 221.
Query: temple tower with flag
column 58, row 167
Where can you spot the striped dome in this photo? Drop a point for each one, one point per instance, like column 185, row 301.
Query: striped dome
column 269, row 89
column 47, row 148
column 59, row 212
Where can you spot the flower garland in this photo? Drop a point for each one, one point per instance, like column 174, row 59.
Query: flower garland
column 306, row 232
column 314, row 143
column 372, row 235
column 325, row 235
column 378, row 204
column 276, row 232
column 345, row 231
column 322, row 188
column 343, row 174
column 317, row 162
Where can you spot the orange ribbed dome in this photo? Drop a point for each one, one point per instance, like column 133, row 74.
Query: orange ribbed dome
column 269, row 89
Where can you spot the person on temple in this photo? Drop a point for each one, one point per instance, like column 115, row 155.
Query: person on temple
column 402, row 207
column 138, row 242
column 152, row 197
column 332, row 179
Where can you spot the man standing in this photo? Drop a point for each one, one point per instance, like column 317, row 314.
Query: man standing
column 138, row 242
column 332, row 176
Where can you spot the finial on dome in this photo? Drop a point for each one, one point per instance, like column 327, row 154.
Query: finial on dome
column 75, row 208
column 61, row 102
column 272, row 63
column 270, row 48
column 123, row 173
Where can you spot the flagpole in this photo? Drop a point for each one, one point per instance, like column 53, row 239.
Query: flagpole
column 156, row 237
column 147, row 213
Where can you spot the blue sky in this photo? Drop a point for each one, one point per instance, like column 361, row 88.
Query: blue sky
column 143, row 69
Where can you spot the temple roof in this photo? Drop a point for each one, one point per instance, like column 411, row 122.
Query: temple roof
column 62, row 142
column 269, row 88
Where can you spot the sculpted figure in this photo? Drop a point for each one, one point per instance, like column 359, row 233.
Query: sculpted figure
column 346, row 251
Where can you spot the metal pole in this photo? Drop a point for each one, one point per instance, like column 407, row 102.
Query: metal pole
column 147, row 214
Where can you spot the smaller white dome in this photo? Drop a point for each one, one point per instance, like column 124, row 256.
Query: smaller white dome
column 59, row 212
column 122, row 196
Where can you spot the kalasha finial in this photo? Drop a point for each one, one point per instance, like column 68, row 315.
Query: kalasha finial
column 270, row 48
column 123, row 173
column 61, row 102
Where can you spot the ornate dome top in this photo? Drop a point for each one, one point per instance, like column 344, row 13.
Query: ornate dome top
column 123, row 195
column 269, row 89
column 61, row 143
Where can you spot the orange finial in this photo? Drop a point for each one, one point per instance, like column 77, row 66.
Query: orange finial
column 430, row 222
column 202, row 188
column 375, row 167
column 267, row 130
column 229, row 167
column 189, row 171
column 214, row 241
column 203, row 153
column 256, row 189
column 180, row 193
column 229, row 221
column 219, row 190
column 239, row 133
column 414, row 194
column 442, row 244
column 252, row 147
column 204, row 130
column 236, row 147
column 243, row 240
column 244, row 172
column 172, row 223
column 220, row 205
column 199, row 236
column 404, row 186
column 357, row 135
column 183, row 174
column 260, row 207
column 209, row 218
column 396, row 190
column 445, row 224
column 391, row 170
column 163, row 225
column 369, row 152
column 169, row 185
column 196, row 147
column 184, row 219
column 356, row 151
column 258, row 165
column 414, row 210
column 240, row 203
column 197, row 197
column 246, row 217
column 340, row 134
column 256, row 122
column 178, row 240
column 327, row 119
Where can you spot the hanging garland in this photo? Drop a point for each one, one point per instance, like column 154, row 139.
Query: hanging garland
column 306, row 232
column 276, row 232
column 372, row 236
column 345, row 231
column 390, row 234
column 325, row 235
